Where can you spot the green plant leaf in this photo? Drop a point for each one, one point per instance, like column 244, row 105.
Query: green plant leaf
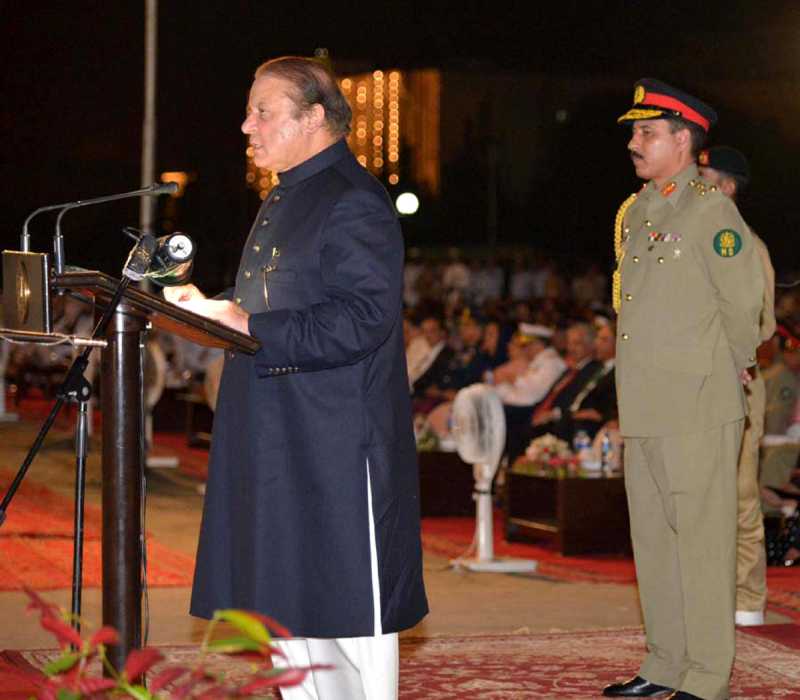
column 139, row 692
column 245, row 623
column 63, row 663
column 234, row 645
column 67, row 694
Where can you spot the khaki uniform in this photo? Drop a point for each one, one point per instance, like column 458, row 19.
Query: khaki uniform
column 691, row 290
column 781, row 388
column 751, row 559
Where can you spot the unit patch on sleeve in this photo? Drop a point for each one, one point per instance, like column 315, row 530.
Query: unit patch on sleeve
column 727, row 243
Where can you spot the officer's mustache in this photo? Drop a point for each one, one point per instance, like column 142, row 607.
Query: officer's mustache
column 636, row 154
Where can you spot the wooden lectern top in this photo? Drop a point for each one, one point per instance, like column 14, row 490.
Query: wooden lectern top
column 161, row 313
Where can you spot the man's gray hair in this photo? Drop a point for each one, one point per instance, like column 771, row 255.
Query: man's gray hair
column 313, row 84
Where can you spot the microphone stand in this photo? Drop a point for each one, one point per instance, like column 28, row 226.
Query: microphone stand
column 58, row 241
column 74, row 387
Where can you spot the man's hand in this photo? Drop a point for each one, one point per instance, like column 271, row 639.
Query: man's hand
column 745, row 376
column 184, row 292
column 225, row 312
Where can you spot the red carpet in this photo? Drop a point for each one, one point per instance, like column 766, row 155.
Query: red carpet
column 192, row 461
column 36, row 544
column 547, row 665
column 46, row 564
column 37, row 511
column 450, row 537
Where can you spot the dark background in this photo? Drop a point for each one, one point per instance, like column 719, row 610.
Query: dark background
column 72, row 87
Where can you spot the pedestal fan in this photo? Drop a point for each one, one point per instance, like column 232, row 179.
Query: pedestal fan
column 479, row 429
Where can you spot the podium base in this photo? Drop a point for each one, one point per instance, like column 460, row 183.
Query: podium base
column 499, row 566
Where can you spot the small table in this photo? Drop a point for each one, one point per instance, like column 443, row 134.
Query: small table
column 582, row 514
column 445, row 485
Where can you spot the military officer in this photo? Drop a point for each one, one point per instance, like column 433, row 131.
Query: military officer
column 781, row 383
column 688, row 291
column 728, row 169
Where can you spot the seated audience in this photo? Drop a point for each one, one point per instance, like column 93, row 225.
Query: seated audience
column 417, row 348
column 524, row 380
column 533, row 368
column 554, row 413
column 433, row 371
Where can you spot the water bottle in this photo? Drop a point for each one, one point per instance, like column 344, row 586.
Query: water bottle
column 606, row 449
column 583, row 445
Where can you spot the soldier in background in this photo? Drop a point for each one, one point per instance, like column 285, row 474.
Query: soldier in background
column 729, row 170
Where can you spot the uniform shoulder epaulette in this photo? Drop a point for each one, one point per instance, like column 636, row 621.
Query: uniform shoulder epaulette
column 702, row 188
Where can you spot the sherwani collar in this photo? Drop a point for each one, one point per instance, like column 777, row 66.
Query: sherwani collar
column 316, row 164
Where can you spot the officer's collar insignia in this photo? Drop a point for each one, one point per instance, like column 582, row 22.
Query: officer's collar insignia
column 727, row 243
column 702, row 159
column 669, row 188
column 664, row 237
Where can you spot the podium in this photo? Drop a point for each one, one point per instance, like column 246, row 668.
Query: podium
column 122, row 458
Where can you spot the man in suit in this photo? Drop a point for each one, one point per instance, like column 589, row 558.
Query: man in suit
column 435, row 372
column 312, row 508
column 728, row 169
column 548, row 416
column 688, row 292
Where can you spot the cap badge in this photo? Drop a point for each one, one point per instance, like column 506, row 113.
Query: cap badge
column 638, row 95
column 727, row 243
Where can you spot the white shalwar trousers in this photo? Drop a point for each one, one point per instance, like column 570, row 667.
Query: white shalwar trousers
column 366, row 668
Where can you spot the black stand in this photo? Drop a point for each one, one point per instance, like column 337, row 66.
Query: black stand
column 75, row 387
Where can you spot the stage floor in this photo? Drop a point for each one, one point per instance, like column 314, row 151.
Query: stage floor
column 462, row 603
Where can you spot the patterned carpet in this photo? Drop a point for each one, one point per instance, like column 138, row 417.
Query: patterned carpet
column 504, row 667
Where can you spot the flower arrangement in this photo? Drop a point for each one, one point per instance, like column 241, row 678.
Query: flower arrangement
column 547, row 453
column 74, row 675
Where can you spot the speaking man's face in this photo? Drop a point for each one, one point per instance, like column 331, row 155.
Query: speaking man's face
column 275, row 130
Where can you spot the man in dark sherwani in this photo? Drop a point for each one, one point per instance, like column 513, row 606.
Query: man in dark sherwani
column 312, row 505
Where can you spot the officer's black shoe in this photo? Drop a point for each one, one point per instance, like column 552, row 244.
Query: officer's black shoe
column 635, row 688
column 682, row 695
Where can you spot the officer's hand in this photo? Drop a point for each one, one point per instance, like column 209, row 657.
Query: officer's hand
column 184, row 292
column 224, row 312
column 746, row 377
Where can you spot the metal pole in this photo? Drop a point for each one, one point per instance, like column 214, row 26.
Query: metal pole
column 149, row 120
column 122, row 484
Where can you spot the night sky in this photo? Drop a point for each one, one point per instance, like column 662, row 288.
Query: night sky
column 72, row 89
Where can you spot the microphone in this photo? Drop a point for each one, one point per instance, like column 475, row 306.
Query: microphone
column 140, row 258
column 153, row 190
column 167, row 260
